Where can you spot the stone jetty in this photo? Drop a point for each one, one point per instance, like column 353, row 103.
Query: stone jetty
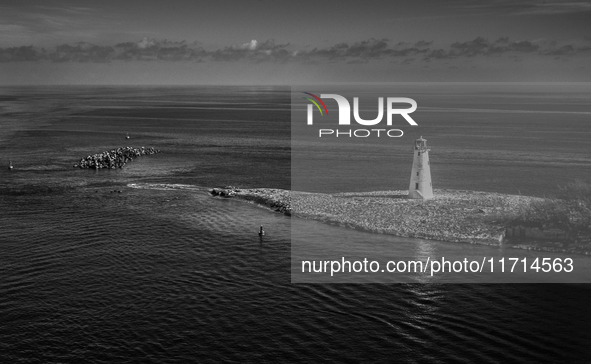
column 114, row 158
column 275, row 199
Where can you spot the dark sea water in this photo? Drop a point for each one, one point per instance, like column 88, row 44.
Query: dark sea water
column 161, row 272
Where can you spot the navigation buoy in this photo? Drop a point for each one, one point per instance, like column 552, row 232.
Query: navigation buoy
column 10, row 165
column 127, row 136
column 261, row 231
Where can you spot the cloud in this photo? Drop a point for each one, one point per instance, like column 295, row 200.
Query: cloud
column 20, row 54
column 562, row 51
column 523, row 7
column 81, row 52
column 437, row 54
column 145, row 43
column 555, row 7
column 267, row 51
column 372, row 48
column 252, row 45
column 270, row 51
column 364, row 50
column 481, row 46
column 35, row 22
column 423, row 43
column 471, row 48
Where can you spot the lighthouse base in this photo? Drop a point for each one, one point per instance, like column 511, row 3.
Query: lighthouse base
column 425, row 195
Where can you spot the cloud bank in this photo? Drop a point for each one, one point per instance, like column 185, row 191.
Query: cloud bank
column 269, row 51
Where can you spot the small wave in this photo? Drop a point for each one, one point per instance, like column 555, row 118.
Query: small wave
column 166, row 186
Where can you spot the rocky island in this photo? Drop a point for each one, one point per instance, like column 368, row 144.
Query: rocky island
column 114, row 158
column 453, row 216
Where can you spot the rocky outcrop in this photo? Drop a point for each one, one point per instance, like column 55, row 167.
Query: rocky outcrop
column 453, row 216
column 275, row 199
column 114, row 158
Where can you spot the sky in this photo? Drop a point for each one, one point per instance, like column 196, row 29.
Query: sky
column 285, row 42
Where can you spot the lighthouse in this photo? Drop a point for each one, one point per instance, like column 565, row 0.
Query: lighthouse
column 420, row 176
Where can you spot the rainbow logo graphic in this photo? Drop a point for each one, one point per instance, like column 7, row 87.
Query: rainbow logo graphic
column 315, row 103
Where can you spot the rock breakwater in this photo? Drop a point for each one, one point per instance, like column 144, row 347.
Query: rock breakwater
column 114, row 158
column 275, row 199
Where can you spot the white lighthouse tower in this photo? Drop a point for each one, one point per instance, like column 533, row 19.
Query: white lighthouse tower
column 420, row 177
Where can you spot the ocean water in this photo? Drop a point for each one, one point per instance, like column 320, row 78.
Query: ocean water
column 161, row 272
column 509, row 138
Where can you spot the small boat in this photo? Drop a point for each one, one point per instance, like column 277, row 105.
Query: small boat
column 10, row 166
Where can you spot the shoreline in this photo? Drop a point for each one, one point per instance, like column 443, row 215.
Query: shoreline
column 457, row 216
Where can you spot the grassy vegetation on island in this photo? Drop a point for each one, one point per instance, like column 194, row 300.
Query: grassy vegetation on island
column 570, row 212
